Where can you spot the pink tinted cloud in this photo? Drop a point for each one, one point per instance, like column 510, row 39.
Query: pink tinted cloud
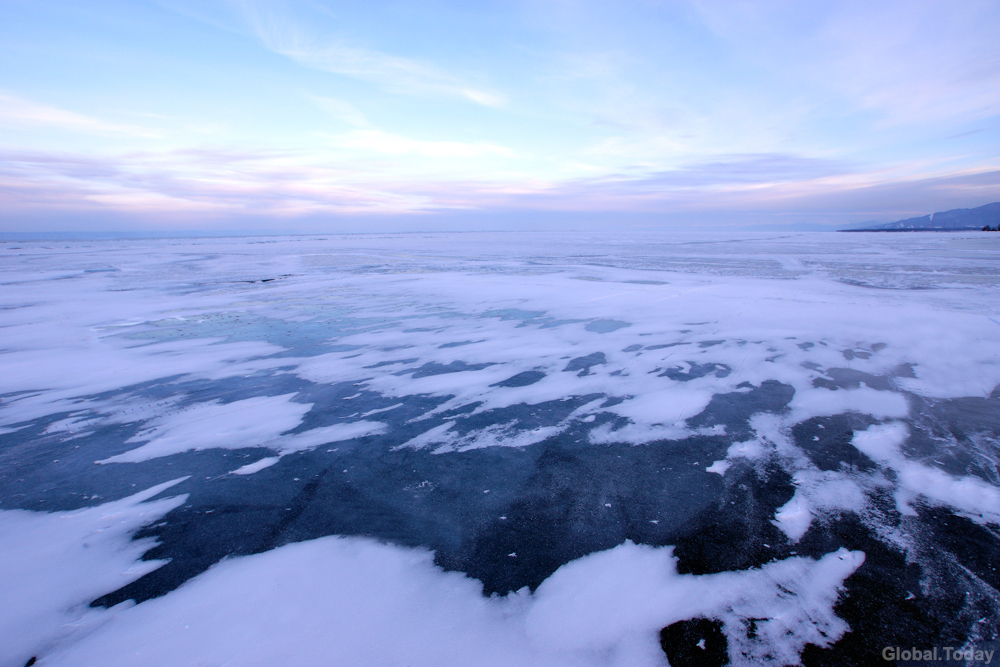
column 224, row 185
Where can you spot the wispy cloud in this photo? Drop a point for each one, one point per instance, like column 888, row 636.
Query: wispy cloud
column 263, row 183
column 284, row 34
column 19, row 112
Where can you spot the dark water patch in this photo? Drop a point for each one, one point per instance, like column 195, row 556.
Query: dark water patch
column 848, row 378
column 434, row 368
column 632, row 348
column 458, row 344
column 522, row 379
column 870, row 285
column 561, row 499
column 710, row 343
column 581, row 499
column 734, row 409
column 392, row 363
column 309, row 338
column 552, row 323
column 515, row 314
column 695, row 371
column 606, row 326
column 827, row 442
column 697, row 642
column 526, row 416
column 660, row 347
column 915, row 599
column 584, row 364
column 734, row 531
column 975, row 547
column 960, row 436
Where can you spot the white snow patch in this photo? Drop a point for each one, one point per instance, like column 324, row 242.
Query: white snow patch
column 297, row 442
column 625, row 595
column 354, row 601
column 864, row 400
column 719, row 467
column 251, row 422
column 817, row 492
column 257, row 466
column 435, row 436
column 794, row 517
column 52, row 565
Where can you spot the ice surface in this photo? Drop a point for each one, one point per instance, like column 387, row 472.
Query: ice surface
column 542, row 410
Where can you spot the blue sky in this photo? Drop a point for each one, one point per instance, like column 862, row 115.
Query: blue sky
column 355, row 116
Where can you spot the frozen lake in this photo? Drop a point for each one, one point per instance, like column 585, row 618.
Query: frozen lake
column 499, row 449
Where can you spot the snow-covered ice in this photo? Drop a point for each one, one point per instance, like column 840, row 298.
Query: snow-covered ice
column 499, row 449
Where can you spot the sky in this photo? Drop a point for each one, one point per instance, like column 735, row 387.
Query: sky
column 325, row 116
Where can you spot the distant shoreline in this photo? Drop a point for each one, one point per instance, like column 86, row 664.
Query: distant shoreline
column 926, row 229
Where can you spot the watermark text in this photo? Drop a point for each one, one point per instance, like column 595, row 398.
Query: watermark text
column 901, row 654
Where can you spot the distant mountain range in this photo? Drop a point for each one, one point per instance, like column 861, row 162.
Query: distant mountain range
column 953, row 220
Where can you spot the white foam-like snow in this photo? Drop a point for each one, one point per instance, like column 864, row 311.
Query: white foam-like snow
column 251, row 422
column 794, row 517
column 352, row 601
column 628, row 593
column 53, row 564
column 257, row 466
column 297, row 442
column 719, row 467
column 824, row 402
column 817, row 493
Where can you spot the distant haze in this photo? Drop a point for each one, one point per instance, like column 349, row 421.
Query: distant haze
column 318, row 116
